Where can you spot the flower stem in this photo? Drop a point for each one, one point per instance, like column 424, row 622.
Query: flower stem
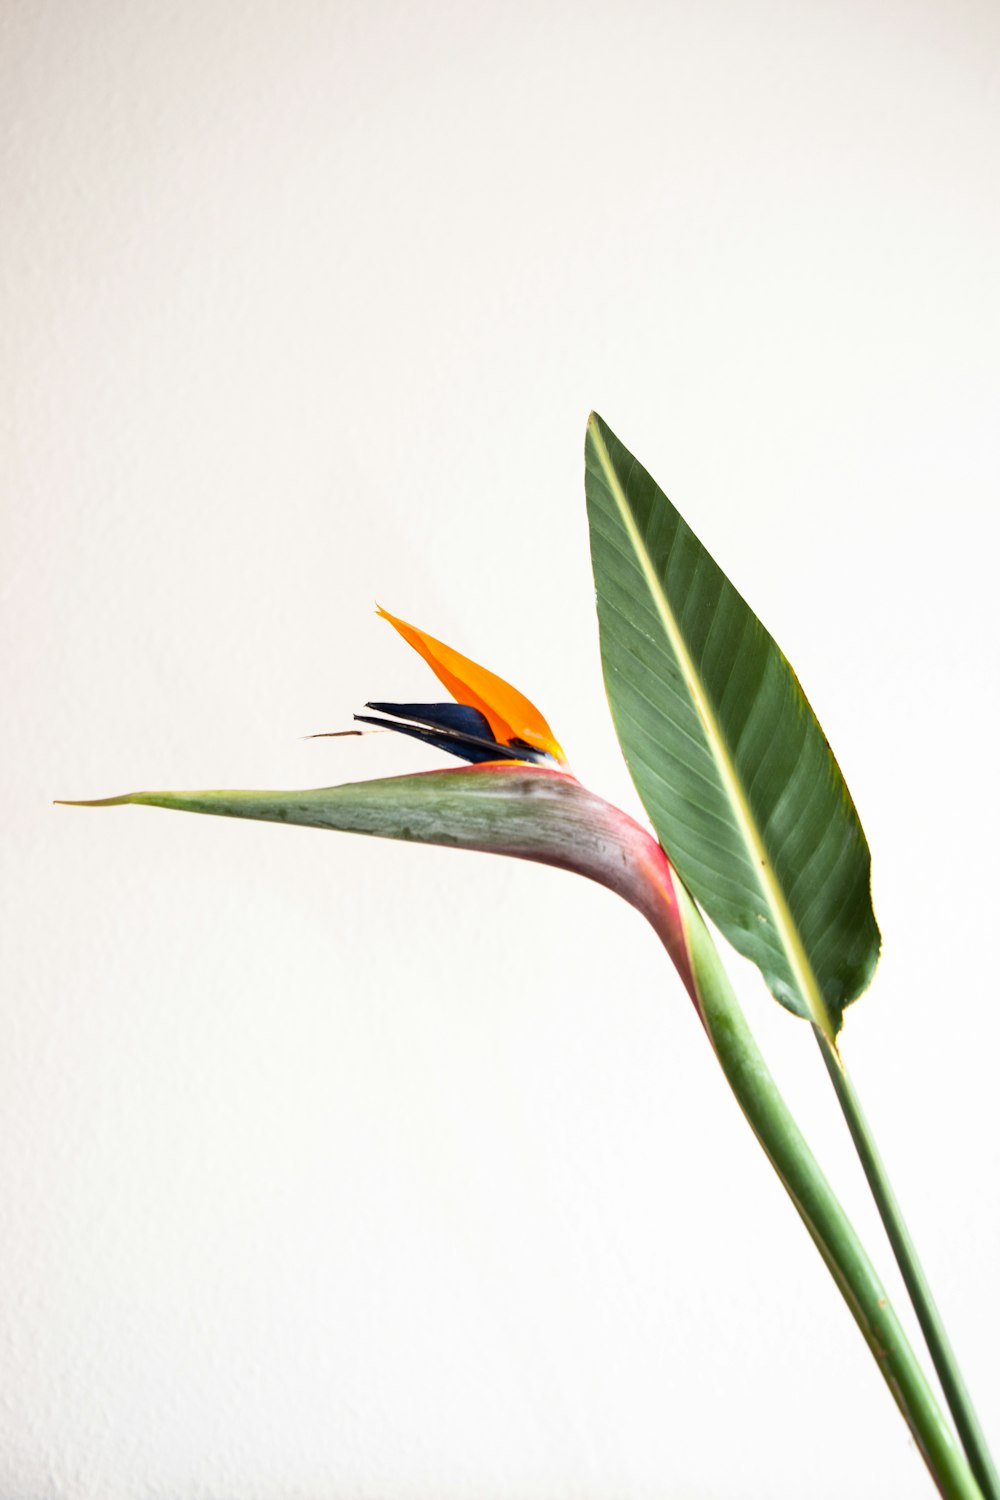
column 833, row 1234
column 942, row 1354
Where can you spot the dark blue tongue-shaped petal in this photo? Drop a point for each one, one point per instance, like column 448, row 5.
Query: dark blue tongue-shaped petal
column 458, row 717
column 453, row 727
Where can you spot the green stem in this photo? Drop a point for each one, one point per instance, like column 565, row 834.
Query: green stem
column 834, row 1236
column 945, row 1363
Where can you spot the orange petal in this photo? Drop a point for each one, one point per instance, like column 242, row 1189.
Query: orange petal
column 509, row 713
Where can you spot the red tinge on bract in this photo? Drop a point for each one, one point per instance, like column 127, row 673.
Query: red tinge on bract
column 510, row 715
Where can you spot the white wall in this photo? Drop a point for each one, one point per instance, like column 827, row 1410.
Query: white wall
column 340, row 1169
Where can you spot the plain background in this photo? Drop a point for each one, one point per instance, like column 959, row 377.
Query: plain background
column 333, row 1168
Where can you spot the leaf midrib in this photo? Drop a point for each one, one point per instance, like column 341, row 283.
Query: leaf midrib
column 784, row 925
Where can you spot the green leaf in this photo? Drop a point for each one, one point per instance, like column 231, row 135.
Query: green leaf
column 732, row 767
